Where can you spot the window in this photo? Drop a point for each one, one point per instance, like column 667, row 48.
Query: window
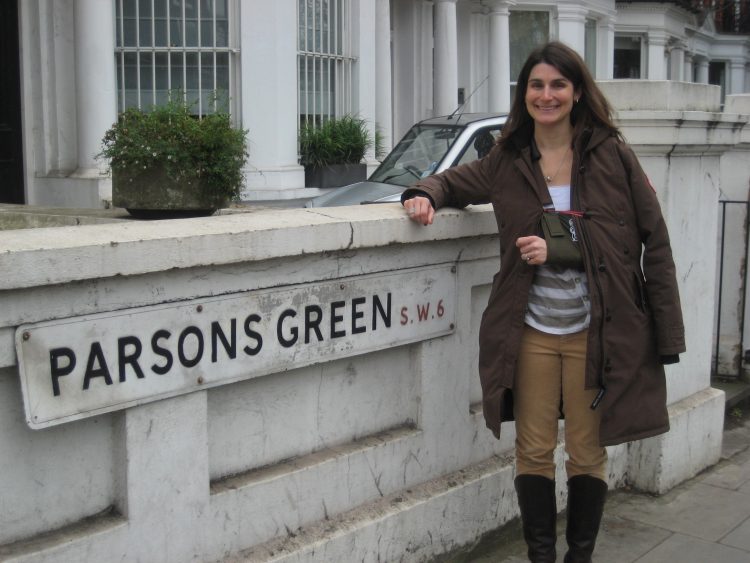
column 480, row 144
column 174, row 45
column 324, row 59
column 627, row 56
column 717, row 75
column 528, row 30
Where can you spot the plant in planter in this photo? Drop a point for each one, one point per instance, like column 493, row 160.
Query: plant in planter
column 332, row 152
column 169, row 162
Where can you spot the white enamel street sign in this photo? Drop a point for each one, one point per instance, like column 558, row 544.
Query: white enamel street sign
column 83, row 366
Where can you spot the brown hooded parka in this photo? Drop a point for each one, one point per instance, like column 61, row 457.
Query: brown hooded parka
column 635, row 312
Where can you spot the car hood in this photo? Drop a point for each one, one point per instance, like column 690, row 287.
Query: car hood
column 361, row 192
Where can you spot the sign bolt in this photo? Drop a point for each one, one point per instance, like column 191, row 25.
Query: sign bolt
column 200, row 380
column 26, row 335
column 199, row 308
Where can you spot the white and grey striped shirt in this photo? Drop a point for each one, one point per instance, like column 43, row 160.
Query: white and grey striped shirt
column 559, row 297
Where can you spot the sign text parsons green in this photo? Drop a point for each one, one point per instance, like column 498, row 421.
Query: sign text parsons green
column 82, row 366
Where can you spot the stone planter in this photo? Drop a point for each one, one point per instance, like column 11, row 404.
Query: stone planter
column 152, row 194
column 334, row 175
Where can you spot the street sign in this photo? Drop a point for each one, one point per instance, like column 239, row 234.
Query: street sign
column 83, row 366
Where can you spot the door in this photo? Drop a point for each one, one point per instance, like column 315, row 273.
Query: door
column 11, row 152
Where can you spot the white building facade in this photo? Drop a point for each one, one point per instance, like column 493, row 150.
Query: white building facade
column 275, row 64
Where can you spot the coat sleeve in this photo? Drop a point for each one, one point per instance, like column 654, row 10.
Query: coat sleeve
column 658, row 264
column 458, row 186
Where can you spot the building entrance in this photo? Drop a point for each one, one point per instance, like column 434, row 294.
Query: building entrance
column 11, row 151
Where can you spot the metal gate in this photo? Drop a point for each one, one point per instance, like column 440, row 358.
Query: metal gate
column 736, row 263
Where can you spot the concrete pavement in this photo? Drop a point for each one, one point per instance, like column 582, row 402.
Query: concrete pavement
column 704, row 520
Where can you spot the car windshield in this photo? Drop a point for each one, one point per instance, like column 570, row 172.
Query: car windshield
column 417, row 155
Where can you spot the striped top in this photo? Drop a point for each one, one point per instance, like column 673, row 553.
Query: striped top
column 559, row 297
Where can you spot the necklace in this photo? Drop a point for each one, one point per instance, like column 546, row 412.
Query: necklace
column 548, row 178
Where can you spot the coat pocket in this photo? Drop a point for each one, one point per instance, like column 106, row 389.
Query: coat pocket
column 639, row 293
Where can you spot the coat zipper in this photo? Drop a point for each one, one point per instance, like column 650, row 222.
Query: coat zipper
column 594, row 275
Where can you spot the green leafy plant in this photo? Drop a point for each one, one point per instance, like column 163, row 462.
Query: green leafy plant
column 186, row 148
column 343, row 140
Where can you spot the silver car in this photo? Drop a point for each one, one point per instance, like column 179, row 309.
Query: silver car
column 429, row 147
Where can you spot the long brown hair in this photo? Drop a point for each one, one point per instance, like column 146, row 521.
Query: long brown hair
column 592, row 108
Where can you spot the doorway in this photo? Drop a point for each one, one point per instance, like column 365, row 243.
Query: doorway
column 11, row 147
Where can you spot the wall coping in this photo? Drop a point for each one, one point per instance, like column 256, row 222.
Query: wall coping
column 44, row 256
column 661, row 95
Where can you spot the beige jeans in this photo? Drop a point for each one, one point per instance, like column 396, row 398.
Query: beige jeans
column 550, row 372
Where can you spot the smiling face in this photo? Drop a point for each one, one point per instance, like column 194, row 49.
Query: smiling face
column 549, row 95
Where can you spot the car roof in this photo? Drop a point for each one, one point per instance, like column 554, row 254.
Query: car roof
column 460, row 118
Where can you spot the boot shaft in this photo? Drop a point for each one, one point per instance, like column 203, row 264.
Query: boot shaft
column 536, row 500
column 586, row 496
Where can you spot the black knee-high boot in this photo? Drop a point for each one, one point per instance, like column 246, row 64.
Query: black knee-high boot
column 536, row 499
column 586, row 496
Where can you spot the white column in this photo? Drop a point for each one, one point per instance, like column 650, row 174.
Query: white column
column 269, row 88
column 657, row 68
column 677, row 63
column 96, row 93
column 688, row 72
column 571, row 26
column 702, row 71
column 499, row 55
column 605, row 54
column 479, row 68
column 445, row 57
column 383, row 101
column 365, row 88
column 736, row 77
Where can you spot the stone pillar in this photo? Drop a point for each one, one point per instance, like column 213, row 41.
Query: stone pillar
column 270, row 104
column 736, row 77
column 479, row 71
column 445, row 57
column 605, row 53
column 702, row 70
column 677, row 63
column 499, row 56
column 96, row 92
column 383, row 101
column 162, row 479
column 365, row 88
column 571, row 26
column 657, row 69
column 688, row 72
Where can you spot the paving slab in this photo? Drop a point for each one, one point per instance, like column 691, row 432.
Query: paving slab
column 698, row 510
column 739, row 537
column 624, row 541
column 679, row 548
column 731, row 475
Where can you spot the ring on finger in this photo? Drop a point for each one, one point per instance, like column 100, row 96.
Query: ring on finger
column 411, row 211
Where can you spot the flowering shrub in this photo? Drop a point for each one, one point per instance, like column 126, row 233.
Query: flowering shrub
column 188, row 149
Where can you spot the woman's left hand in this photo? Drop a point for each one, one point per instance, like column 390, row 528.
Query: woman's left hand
column 533, row 250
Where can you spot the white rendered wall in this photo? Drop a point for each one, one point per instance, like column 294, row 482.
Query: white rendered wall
column 735, row 186
column 681, row 151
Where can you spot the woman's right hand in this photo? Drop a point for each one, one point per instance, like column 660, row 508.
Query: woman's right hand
column 420, row 210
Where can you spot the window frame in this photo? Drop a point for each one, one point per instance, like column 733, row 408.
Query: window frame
column 325, row 51
column 147, row 97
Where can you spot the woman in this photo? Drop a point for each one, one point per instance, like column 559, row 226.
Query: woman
column 584, row 342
